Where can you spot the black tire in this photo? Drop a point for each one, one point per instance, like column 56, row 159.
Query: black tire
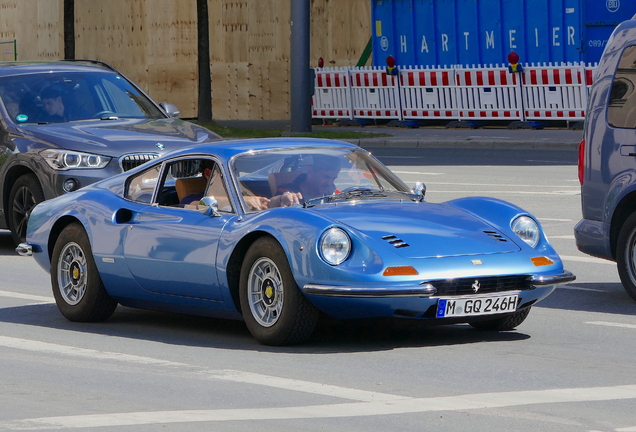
column 77, row 287
column 504, row 323
column 626, row 255
column 25, row 194
column 274, row 309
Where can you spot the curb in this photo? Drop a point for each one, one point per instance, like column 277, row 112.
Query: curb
column 483, row 144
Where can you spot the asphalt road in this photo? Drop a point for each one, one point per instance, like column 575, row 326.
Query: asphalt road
column 568, row 367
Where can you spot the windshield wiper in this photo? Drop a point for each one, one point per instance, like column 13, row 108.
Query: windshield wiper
column 347, row 194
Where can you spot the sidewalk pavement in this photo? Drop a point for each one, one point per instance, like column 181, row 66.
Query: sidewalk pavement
column 487, row 137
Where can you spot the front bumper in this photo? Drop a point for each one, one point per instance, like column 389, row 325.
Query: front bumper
column 422, row 290
column 414, row 301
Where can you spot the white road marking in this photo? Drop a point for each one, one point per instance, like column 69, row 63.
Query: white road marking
column 510, row 192
column 586, row 259
column 626, row 429
column 223, row 375
column 419, row 173
column 567, row 237
column 27, row 297
column 556, row 220
column 49, row 348
column 302, row 386
column 500, row 185
column 575, row 288
column 612, row 324
column 355, row 409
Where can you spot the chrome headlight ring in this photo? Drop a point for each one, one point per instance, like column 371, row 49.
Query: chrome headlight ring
column 527, row 229
column 334, row 246
column 60, row 160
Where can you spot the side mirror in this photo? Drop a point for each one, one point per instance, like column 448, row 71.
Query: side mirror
column 208, row 206
column 170, row 109
column 420, row 190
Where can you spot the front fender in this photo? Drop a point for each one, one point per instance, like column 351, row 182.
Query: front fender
column 500, row 214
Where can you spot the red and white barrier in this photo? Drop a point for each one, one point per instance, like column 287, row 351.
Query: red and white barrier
column 537, row 93
column 487, row 94
column 332, row 94
column 428, row 93
column 375, row 94
column 555, row 92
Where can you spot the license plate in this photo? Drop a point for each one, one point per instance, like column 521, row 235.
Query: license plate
column 475, row 306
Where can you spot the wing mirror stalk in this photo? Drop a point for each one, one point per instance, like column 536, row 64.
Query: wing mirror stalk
column 420, row 190
column 209, row 206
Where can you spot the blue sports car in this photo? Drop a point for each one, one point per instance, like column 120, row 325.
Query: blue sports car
column 276, row 231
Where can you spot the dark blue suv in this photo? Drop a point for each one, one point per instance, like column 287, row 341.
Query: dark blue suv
column 67, row 124
column 607, row 159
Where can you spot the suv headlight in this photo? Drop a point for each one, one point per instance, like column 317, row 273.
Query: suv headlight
column 527, row 230
column 334, row 246
column 66, row 159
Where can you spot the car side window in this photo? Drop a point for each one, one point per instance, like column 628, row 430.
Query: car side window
column 186, row 181
column 141, row 186
column 621, row 111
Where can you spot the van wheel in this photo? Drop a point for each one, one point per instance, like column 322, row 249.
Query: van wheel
column 25, row 194
column 626, row 255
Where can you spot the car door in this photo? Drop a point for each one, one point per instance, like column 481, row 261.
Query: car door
column 170, row 247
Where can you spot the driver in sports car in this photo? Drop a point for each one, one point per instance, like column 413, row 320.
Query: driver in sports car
column 316, row 182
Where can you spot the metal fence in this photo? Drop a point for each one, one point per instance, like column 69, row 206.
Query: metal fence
column 539, row 92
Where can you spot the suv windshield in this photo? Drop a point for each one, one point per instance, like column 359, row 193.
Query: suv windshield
column 70, row 96
column 320, row 175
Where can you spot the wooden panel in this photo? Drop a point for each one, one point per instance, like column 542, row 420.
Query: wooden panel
column 172, row 31
column 339, row 31
column 173, row 82
column 114, row 32
column 221, row 92
column 8, row 16
column 154, row 43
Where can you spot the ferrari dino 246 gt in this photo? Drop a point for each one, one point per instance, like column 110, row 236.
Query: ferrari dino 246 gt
column 277, row 231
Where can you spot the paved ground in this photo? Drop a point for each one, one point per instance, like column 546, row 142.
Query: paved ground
column 489, row 137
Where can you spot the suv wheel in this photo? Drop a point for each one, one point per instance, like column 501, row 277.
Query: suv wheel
column 626, row 255
column 25, row 194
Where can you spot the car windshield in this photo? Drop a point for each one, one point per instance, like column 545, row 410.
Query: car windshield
column 319, row 175
column 56, row 97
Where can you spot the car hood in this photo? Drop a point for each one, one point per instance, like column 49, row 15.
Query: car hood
column 116, row 137
column 422, row 230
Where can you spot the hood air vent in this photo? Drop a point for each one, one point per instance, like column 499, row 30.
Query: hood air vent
column 396, row 242
column 495, row 236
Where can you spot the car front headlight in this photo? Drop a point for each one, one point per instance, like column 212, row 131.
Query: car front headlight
column 527, row 229
column 334, row 246
column 66, row 159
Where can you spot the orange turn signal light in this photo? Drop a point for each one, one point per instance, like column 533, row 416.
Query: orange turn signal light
column 541, row 261
column 400, row 271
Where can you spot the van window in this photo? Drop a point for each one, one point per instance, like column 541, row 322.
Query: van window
column 621, row 111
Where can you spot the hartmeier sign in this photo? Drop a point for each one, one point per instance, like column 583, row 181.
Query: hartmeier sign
column 471, row 32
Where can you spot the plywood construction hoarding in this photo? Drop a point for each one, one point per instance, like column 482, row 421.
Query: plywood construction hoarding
column 154, row 42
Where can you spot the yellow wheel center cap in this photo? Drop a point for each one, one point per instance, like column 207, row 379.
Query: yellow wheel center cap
column 269, row 291
column 76, row 273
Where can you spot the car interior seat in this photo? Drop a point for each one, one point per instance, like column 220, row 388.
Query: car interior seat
column 189, row 186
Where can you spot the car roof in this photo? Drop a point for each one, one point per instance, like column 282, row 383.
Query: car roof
column 227, row 149
column 23, row 68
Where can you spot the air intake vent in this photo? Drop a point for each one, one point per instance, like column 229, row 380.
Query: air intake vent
column 396, row 242
column 130, row 161
column 495, row 236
